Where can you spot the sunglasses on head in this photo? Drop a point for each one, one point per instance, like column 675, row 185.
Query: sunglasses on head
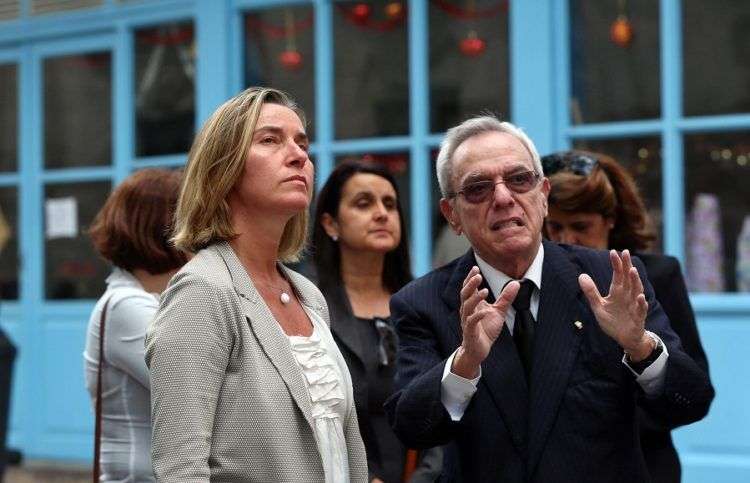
column 576, row 163
column 480, row 191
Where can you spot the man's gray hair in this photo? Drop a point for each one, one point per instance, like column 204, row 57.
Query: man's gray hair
column 469, row 128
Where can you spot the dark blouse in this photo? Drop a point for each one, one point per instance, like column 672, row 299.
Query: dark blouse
column 385, row 452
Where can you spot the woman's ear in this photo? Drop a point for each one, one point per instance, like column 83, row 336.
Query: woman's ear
column 330, row 225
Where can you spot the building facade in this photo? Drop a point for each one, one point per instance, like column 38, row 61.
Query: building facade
column 91, row 90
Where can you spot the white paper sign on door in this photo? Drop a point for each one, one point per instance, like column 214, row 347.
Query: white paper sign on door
column 62, row 217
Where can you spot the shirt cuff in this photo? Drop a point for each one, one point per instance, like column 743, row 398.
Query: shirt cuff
column 455, row 391
column 652, row 378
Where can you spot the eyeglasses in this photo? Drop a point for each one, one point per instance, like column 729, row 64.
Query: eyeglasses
column 387, row 342
column 480, row 191
column 576, row 163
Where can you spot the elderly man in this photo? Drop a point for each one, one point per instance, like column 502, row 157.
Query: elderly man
column 512, row 354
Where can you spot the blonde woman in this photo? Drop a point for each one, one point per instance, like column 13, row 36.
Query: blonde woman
column 247, row 382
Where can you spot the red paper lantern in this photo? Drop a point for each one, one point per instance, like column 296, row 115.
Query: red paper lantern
column 290, row 59
column 621, row 32
column 472, row 46
column 394, row 10
column 361, row 13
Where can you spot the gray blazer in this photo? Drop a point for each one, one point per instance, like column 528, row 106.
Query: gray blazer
column 228, row 400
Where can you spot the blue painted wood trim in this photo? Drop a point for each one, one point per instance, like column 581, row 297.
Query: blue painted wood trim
column 392, row 144
column 9, row 179
column 532, row 91
column 673, row 174
column 611, row 130
column 169, row 161
column 421, row 174
column 324, row 90
column 720, row 303
column 74, row 175
column 561, row 75
column 80, row 22
column 212, row 84
column 731, row 122
column 123, row 101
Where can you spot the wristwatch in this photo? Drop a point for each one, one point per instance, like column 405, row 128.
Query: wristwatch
column 641, row 365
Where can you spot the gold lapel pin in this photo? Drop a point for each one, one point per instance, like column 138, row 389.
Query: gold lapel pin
column 578, row 324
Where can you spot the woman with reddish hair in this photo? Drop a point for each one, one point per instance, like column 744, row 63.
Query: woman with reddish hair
column 132, row 232
column 594, row 202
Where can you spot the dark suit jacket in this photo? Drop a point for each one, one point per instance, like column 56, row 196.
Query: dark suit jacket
column 669, row 287
column 576, row 421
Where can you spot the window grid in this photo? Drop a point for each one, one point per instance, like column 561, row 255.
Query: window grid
column 672, row 127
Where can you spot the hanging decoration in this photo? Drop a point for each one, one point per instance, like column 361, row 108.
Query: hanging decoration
column 621, row 30
column 361, row 15
column 472, row 45
column 395, row 10
column 290, row 58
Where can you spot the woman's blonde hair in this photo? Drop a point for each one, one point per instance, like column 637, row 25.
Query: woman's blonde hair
column 215, row 163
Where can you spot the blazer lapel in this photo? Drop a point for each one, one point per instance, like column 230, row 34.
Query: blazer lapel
column 342, row 323
column 502, row 372
column 267, row 330
column 556, row 342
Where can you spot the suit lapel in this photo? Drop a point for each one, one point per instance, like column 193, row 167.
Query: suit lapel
column 502, row 372
column 342, row 323
column 556, row 342
column 267, row 330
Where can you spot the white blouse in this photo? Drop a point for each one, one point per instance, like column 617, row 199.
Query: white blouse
column 324, row 384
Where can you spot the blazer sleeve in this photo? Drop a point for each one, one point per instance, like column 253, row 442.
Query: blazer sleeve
column 688, row 392
column 671, row 292
column 415, row 410
column 187, row 351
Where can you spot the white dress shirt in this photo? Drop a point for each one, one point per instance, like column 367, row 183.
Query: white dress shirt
column 456, row 391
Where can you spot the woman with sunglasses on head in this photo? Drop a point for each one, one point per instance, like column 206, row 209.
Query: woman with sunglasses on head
column 594, row 202
column 361, row 258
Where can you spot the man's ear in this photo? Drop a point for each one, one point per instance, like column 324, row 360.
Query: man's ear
column 446, row 208
column 330, row 226
column 546, row 187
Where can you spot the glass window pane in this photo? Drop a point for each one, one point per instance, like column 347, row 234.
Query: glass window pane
column 614, row 48
column 371, row 69
column 8, row 117
column 716, row 45
column 9, row 259
column 78, row 106
column 164, row 89
column 73, row 270
column 717, row 204
column 642, row 158
column 280, row 53
column 469, row 67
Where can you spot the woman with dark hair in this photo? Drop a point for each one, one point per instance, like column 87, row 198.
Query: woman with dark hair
column 361, row 258
column 132, row 232
column 594, row 202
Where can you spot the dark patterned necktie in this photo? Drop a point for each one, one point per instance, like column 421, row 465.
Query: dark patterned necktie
column 523, row 326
